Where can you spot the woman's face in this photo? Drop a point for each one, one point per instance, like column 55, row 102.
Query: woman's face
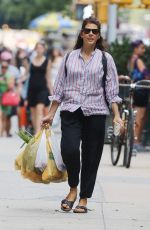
column 56, row 52
column 4, row 67
column 40, row 49
column 90, row 34
column 140, row 50
column 25, row 62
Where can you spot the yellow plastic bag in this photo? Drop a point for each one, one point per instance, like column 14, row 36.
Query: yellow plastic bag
column 25, row 162
column 51, row 173
column 29, row 156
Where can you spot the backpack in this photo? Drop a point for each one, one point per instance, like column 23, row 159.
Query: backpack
column 104, row 63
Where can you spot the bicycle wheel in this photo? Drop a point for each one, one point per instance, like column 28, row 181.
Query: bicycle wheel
column 129, row 138
column 116, row 145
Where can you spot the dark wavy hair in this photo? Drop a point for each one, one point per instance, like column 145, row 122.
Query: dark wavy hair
column 99, row 43
column 136, row 43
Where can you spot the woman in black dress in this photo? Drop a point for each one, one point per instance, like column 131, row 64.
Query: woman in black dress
column 39, row 85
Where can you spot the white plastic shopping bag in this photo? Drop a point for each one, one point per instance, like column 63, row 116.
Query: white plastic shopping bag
column 56, row 120
column 41, row 157
column 55, row 146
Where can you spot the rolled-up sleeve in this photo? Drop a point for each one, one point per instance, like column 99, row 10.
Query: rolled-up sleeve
column 58, row 88
column 112, row 84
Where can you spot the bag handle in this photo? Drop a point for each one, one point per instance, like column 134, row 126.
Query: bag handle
column 104, row 63
column 66, row 62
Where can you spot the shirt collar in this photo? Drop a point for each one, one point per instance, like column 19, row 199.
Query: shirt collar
column 80, row 55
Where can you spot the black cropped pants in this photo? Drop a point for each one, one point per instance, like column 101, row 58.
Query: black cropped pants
column 90, row 130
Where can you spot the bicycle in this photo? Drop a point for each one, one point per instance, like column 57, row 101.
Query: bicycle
column 127, row 114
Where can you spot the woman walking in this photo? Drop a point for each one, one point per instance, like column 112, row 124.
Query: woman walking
column 80, row 92
column 7, row 83
column 56, row 59
column 139, row 72
column 39, row 85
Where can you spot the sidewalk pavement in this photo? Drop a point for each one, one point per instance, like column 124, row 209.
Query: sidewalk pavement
column 120, row 201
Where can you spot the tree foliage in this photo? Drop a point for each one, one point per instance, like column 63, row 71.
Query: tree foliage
column 121, row 53
column 18, row 13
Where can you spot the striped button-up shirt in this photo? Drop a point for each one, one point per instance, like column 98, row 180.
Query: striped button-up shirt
column 82, row 87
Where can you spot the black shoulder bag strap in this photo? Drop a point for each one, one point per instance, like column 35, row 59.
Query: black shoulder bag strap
column 104, row 63
column 66, row 62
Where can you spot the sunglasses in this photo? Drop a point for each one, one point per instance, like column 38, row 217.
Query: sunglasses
column 88, row 30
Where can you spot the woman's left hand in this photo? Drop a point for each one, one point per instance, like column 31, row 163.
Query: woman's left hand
column 117, row 119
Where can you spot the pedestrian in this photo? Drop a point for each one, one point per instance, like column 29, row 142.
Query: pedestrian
column 13, row 70
column 23, row 109
column 56, row 59
column 83, row 111
column 39, row 85
column 7, row 82
column 7, row 56
column 138, row 71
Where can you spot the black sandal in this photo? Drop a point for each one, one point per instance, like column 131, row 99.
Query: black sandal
column 85, row 210
column 68, row 203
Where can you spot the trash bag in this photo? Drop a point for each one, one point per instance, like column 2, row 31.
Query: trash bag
column 36, row 162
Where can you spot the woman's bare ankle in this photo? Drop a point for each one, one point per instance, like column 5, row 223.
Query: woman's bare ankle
column 72, row 194
column 73, row 189
column 83, row 201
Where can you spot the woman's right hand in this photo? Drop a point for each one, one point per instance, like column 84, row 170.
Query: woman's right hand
column 50, row 116
column 47, row 120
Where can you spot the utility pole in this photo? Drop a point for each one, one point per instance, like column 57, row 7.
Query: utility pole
column 112, row 23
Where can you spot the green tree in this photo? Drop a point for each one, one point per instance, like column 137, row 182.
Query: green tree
column 18, row 13
column 121, row 53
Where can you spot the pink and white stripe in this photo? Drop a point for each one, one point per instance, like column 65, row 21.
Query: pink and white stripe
column 82, row 87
